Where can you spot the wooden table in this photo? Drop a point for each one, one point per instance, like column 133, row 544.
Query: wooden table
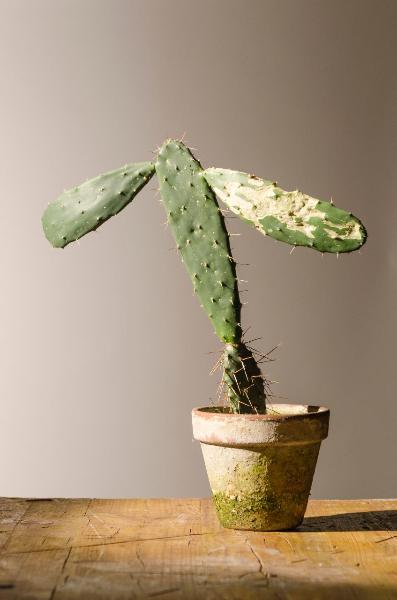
column 175, row 549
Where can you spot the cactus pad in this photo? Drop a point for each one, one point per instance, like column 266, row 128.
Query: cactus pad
column 84, row 208
column 200, row 233
column 291, row 217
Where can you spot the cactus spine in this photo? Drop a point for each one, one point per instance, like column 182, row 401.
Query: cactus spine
column 202, row 239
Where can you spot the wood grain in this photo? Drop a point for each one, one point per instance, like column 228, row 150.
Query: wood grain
column 58, row 549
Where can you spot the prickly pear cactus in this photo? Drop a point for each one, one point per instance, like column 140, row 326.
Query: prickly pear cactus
column 202, row 239
column 291, row 217
column 84, row 208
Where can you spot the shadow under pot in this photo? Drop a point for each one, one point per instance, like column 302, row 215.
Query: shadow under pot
column 261, row 466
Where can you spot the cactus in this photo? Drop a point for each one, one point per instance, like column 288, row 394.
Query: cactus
column 202, row 239
column 85, row 207
column 291, row 217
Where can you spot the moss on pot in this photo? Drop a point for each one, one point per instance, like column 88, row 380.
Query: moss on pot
column 260, row 511
column 267, row 491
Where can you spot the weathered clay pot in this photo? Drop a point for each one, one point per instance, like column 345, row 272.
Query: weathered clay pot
column 261, row 467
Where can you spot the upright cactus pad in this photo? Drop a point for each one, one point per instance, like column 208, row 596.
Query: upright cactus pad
column 291, row 217
column 200, row 233
column 84, row 208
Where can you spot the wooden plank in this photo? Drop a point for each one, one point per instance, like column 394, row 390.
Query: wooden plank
column 176, row 549
column 11, row 512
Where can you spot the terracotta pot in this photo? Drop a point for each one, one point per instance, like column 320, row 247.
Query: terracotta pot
column 261, row 467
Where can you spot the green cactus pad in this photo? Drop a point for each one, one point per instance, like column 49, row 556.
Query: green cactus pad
column 243, row 379
column 200, row 233
column 84, row 208
column 291, row 217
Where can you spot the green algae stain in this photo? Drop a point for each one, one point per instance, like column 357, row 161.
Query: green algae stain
column 260, row 512
column 269, row 494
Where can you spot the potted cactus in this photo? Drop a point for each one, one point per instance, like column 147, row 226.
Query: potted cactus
column 260, row 456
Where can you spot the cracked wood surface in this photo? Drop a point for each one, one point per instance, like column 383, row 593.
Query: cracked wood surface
column 57, row 549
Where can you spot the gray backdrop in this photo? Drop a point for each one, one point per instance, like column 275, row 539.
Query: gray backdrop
column 104, row 348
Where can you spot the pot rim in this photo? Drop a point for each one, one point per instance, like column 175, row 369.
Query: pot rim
column 299, row 411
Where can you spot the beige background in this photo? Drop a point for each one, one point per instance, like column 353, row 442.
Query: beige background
column 103, row 346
